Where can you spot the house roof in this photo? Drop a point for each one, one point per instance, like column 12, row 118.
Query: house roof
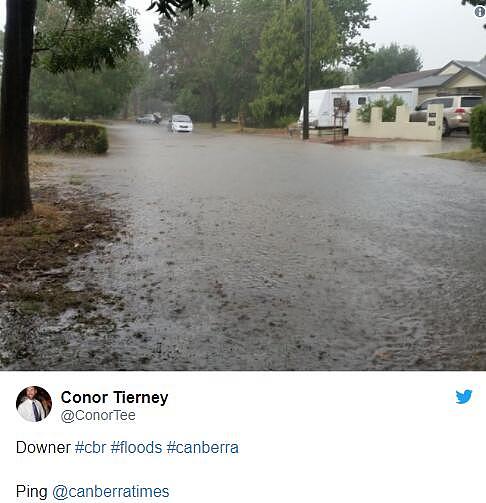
column 458, row 62
column 478, row 68
column 432, row 81
column 431, row 78
column 403, row 79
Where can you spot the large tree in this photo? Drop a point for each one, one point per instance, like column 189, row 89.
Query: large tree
column 281, row 60
column 388, row 61
column 69, row 49
column 18, row 45
column 351, row 17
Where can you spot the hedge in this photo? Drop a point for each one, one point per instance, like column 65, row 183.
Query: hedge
column 477, row 126
column 67, row 136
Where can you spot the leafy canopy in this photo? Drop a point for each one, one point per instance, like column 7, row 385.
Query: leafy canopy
column 77, row 34
column 281, row 60
column 169, row 8
column 387, row 61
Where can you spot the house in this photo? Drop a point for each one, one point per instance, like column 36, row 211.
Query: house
column 457, row 77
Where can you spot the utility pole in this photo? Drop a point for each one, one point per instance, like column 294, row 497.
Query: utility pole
column 307, row 72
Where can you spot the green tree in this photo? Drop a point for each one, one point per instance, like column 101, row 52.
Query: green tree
column 388, row 61
column 238, row 65
column 281, row 60
column 351, row 17
column 81, row 94
column 69, row 49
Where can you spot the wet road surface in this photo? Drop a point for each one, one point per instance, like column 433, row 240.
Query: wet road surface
column 456, row 142
column 246, row 253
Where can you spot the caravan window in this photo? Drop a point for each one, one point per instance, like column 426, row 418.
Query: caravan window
column 337, row 102
column 362, row 101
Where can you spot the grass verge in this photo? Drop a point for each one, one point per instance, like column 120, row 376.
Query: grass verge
column 37, row 248
column 469, row 155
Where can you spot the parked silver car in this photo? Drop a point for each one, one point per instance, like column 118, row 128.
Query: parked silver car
column 457, row 111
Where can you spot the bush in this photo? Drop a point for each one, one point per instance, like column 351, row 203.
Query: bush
column 285, row 121
column 266, row 109
column 389, row 109
column 478, row 127
column 68, row 136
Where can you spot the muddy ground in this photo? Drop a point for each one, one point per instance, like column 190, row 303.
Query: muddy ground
column 250, row 253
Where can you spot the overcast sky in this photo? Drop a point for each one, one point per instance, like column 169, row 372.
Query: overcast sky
column 440, row 29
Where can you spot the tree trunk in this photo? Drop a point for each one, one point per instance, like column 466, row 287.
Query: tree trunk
column 242, row 119
column 214, row 114
column 14, row 118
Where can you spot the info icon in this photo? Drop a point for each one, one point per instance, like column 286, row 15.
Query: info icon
column 480, row 11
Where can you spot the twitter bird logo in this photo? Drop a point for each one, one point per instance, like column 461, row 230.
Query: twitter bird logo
column 463, row 398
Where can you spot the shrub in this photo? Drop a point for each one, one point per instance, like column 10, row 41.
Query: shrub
column 389, row 109
column 478, row 127
column 100, row 141
column 285, row 121
column 66, row 136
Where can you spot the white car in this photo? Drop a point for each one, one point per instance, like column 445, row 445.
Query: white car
column 180, row 124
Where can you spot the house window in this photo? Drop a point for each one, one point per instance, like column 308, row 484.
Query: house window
column 362, row 101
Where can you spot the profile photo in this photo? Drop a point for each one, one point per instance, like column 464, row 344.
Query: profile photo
column 34, row 403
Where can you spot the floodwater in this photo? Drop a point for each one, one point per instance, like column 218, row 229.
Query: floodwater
column 251, row 253
column 457, row 142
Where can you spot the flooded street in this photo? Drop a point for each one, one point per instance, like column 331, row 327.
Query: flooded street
column 252, row 253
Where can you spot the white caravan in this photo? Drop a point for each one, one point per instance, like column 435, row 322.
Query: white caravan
column 323, row 102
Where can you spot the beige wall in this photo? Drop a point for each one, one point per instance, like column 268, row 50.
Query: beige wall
column 468, row 80
column 402, row 128
column 468, row 90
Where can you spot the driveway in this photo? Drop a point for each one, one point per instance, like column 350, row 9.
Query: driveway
column 251, row 253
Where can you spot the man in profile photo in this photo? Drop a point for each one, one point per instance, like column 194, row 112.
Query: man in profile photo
column 30, row 408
